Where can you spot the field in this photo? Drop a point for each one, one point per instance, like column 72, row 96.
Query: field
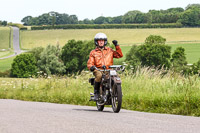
column 189, row 38
column 5, row 64
column 4, row 37
column 31, row 39
column 144, row 90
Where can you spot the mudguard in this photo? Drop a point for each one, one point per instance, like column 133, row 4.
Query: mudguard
column 117, row 80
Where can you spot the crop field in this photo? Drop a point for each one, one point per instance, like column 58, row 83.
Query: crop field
column 4, row 37
column 144, row 90
column 31, row 39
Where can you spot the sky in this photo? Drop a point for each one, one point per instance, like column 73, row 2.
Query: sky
column 15, row 10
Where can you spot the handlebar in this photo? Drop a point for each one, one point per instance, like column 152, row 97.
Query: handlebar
column 115, row 67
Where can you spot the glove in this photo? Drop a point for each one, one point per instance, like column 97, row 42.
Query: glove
column 92, row 68
column 115, row 42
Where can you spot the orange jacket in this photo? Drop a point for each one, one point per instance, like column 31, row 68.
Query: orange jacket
column 102, row 57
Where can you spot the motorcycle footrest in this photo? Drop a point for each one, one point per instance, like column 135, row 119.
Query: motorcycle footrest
column 91, row 98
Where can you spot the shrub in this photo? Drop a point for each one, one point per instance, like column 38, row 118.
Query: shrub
column 179, row 63
column 37, row 52
column 24, row 66
column 49, row 61
column 196, row 67
column 154, row 52
column 5, row 73
column 75, row 55
column 131, row 58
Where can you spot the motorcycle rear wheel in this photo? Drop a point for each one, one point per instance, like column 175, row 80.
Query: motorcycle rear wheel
column 117, row 98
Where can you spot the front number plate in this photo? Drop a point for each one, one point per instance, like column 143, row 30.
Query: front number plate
column 113, row 72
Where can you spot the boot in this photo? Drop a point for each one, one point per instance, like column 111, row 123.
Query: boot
column 96, row 91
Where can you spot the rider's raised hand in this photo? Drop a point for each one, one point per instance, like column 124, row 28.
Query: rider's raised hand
column 115, row 42
column 92, row 68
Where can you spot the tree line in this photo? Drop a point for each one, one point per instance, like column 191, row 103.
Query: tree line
column 3, row 23
column 190, row 16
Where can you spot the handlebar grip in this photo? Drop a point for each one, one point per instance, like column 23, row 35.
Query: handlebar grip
column 104, row 67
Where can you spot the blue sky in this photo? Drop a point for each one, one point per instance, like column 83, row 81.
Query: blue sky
column 15, row 10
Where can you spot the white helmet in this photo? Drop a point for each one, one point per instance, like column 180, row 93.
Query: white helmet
column 100, row 36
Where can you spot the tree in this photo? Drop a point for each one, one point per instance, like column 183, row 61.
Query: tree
column 100, row 20
column 27, row 20
column 36, row 52
column 154, row 39
column 196, row 67
column 75, row 55
column 4, row 23
column 130, row 16
column 87, row 21
column 154, row 52
column 50, row 62
column 179, row 63
column 24, row 66
column 131, row 57
column 191, row 17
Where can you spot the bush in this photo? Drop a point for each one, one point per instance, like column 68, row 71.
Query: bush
column 131, row 58
column 49, row 61
column 179, row 63
column 196, row 67
column 37, row 52
column 5, row 74
column 75, row 55
column 24, row 66
column 154, row 52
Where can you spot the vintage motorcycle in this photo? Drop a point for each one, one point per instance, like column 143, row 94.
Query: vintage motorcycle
column 110, row 88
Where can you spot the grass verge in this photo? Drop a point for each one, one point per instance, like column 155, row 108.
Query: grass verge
column 146, row 90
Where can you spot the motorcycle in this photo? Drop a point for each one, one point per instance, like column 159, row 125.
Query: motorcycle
column 110, row 88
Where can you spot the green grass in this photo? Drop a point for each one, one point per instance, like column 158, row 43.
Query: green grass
column 6, row 53
column 192, row 51
column 4, row 37
column 144, row 90
column 5, row 64
column 31, row 39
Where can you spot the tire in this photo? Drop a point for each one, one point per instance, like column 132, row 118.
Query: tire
column 117, row 98
column 100, row 107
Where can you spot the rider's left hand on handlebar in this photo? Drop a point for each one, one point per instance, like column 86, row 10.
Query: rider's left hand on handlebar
column 92, row 68
column 115, row 42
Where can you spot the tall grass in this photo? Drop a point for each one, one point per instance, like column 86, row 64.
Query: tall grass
column 145, row 90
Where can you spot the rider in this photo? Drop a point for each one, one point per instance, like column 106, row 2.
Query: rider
column 101, row 56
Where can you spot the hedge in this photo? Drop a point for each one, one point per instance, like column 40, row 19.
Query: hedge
column 106, row 26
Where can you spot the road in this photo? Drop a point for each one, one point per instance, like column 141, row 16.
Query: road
column 16, row 45
column 37, row 117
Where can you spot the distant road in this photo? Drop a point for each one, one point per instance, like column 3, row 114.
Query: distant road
column 37, row 117
column 16, row 45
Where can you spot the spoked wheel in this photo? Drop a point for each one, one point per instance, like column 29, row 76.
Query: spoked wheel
column 117, row 98
column 99, row 107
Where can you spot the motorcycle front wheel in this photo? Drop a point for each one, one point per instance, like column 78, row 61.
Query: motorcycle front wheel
column 99, row 107
column 117, row 98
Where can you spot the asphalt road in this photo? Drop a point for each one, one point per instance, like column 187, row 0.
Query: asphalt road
column 36, row 117
column 16, row 45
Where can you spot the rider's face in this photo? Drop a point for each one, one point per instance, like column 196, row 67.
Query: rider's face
column 101, row 43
